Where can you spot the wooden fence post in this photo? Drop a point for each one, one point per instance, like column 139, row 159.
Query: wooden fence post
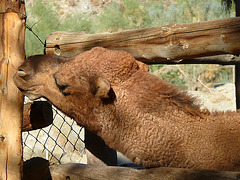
column 98, row 153
column 12, row 35
column 237, row 66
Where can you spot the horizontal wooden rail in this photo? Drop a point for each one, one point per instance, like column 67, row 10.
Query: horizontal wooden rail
column 157, row 44
column 38, row 169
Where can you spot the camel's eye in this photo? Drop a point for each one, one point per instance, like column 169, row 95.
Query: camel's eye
column 61, row 87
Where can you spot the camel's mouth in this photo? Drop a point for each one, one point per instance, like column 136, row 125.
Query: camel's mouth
column 24, row 88
column 31, row 96
column 19, row 82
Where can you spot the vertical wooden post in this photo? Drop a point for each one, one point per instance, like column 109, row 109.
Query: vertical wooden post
column 98, row 153
column 237, row 84
column 237, row 66
column 237, row 7
column 12, row 54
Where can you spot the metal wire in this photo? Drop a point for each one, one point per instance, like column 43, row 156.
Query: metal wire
column 61, row 142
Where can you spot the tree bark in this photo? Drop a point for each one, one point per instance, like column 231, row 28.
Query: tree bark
column 157, row 44
column 12, row 30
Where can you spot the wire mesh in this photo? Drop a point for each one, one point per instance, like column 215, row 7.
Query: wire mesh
column 61, row 142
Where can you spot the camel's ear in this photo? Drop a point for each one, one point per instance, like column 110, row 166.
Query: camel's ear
column 100, row 87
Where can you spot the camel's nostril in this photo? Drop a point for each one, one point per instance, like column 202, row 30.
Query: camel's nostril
column 21, row 73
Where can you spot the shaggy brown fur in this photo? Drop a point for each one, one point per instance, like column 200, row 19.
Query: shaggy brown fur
column 148, row 120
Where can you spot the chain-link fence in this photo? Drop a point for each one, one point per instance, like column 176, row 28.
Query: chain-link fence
column 61, row 142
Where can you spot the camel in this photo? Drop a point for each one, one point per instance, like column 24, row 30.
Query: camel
column 151, row 122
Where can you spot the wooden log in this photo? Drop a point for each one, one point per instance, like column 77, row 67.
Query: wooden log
column 226, row 59
column 37, row 115
column 156, row 44
column 12, row 54
column 76, row 171
column 40, row 169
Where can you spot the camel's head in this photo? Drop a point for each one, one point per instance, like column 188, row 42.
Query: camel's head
column 35, row 76
column 74, row 83
column 49, row 75
column 79, row 86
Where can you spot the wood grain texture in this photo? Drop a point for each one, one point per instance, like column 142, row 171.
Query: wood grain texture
column 156, row 44
column 12, row 31
column 76, row 171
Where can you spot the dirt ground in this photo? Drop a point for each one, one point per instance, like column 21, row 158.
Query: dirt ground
column 221, row 98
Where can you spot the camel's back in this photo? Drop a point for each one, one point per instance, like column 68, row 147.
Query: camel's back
column 169, row 135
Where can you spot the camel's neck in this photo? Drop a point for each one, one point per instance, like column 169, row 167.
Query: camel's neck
column 146, row 90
